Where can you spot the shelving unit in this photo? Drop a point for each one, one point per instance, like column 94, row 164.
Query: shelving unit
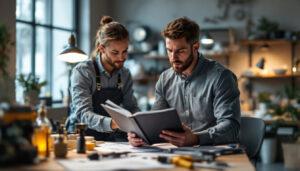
column 252, row 44
column 218, row 55
column 273, row 76
column 157, row 56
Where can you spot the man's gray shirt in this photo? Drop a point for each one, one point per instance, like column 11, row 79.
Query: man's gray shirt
column 83, row 85
column 207, row 100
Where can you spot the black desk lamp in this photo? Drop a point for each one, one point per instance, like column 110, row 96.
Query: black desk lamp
column 261, row 63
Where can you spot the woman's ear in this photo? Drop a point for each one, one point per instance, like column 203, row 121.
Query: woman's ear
column 101, row 48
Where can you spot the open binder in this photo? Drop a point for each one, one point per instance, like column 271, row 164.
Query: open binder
column 146, row 124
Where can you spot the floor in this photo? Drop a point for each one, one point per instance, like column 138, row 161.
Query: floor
column 273, row 167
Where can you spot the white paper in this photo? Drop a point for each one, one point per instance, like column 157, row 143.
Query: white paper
column 120, row 147
column 128, row 163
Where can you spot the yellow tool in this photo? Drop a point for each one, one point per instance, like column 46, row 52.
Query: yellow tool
column 182, row 161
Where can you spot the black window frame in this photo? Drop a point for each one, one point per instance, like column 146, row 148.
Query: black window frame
column 33, row 24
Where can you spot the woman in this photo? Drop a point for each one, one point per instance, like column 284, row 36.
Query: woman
column 100, row 78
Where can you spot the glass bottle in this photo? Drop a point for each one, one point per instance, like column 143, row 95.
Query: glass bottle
column 42, row 132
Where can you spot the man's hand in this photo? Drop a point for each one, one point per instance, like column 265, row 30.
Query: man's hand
column 187, row 138
column 114, row 125
column 134, row 140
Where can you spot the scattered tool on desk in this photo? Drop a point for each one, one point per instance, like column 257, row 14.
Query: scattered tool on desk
column 214, row 150
column 112, row 155
column 189, row 162
column 182, row 161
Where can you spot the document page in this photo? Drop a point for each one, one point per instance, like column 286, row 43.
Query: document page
column 127, row 163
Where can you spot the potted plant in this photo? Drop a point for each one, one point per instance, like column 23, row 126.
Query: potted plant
column 6, row 82
column 291, row 111
column 266, row 27
column 32, row 87
column 291, row 148
column 264, row 100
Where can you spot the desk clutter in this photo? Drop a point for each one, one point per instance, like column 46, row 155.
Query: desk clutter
column 27, row 136
column 28, row 139
column 122, row 156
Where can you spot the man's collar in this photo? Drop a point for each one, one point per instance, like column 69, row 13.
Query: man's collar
column 195, row 70
column 98, row 59
column 101, row 68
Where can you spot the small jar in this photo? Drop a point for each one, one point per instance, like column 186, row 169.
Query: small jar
column 60, row 147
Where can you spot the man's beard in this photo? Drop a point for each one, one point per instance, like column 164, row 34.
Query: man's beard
column 111, row 63
column 185, row 64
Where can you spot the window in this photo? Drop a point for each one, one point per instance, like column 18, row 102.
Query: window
column 42, row 30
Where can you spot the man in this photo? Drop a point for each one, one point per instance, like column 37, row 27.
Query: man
column 204, row 93
column 100, row 78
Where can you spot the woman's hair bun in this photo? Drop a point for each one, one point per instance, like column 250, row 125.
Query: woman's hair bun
column 105, row 20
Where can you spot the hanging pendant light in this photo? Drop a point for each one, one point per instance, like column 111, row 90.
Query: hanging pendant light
column 71, row 53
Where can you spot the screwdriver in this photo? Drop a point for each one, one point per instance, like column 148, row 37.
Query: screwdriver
column 189, row 162
column 182, row 161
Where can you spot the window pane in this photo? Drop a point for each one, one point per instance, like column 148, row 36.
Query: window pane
column 41, row 55
column 63, row 13
column 23, row 54
column 24, row 10
column 60, row 73
column 42, row 11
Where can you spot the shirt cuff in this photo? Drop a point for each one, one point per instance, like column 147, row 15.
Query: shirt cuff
column 205, row 138
column 106, row 124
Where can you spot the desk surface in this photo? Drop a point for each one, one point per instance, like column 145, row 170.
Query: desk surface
column 239, row 162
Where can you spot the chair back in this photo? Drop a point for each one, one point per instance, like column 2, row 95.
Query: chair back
column 251, row 135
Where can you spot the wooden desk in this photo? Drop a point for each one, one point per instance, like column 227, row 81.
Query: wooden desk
column 240, row 162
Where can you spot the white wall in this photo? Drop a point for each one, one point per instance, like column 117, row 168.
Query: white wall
column 157, row 13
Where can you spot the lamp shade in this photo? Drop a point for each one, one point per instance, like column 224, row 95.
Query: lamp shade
column 206, row 41
column 265, row 47
column 261, row 63
column 71, row 53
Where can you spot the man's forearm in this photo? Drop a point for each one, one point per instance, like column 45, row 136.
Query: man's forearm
column 223, row 133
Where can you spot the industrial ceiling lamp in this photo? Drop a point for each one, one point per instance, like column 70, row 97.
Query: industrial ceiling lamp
column 71, row 53
column 206, row 41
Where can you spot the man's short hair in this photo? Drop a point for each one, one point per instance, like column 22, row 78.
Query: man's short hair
column 182, row 27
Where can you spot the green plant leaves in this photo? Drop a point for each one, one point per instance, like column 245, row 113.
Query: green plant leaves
column 30, row 82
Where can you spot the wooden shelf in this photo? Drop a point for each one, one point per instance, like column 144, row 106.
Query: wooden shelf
column 137, row 53
column 145, row 79
column 156, row 56
column 271, row 76
column 216, row 55
column 268, row 42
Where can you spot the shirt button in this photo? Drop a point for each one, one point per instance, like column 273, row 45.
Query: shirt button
column 186, row 81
